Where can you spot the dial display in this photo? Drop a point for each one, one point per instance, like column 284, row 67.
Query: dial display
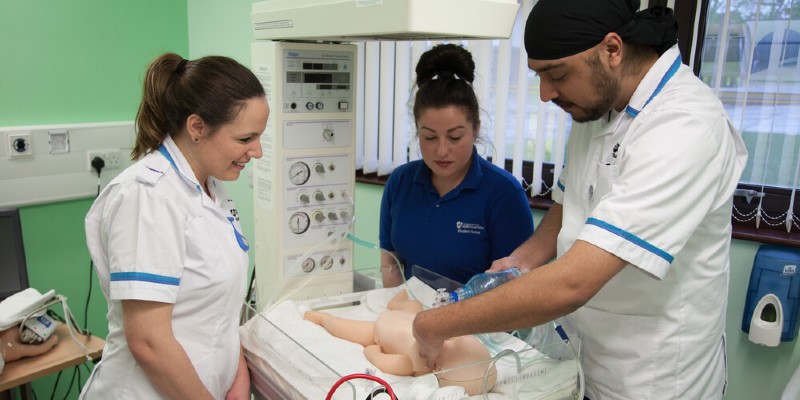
column 299, row 222
column 299, row 173
column 309, row 264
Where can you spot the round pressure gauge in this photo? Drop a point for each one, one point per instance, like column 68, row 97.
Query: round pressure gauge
column 299, row 173
column 309, row 264
column 299, row 222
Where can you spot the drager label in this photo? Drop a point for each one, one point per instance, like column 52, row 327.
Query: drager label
column 789, row 269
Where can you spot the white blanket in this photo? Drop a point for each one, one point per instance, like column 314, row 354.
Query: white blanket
column 311, row 360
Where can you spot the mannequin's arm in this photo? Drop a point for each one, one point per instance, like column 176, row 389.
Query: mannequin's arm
column 12, row 348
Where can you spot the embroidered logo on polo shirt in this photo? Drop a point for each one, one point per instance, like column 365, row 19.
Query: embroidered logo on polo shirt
column 466, row 227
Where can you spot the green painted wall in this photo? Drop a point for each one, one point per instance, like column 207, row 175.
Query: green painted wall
column 82, row 61
column 72, row 62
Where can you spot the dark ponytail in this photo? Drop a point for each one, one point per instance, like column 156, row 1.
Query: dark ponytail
column 214, row 87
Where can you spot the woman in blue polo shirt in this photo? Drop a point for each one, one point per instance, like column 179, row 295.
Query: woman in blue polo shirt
column 452, row 212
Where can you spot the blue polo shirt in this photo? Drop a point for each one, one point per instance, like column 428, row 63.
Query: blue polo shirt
column 459, row 234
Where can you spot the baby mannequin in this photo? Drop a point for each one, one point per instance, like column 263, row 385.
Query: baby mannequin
column 389, row 344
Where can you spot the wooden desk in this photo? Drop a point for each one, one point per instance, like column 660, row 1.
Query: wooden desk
column 64, row 355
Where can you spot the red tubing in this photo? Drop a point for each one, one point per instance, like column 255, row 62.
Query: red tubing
column 361, row 376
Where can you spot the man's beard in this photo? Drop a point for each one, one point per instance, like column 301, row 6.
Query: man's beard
column 605, row 86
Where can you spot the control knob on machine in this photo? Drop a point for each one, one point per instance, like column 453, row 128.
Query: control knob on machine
column 319, row 196
column 319, row 168
column 326, row 262
column 328, row 134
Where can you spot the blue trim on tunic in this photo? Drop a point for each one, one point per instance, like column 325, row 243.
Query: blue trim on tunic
column 631, row 238
column 144, row 277
column 163, row 150
column 670, row 73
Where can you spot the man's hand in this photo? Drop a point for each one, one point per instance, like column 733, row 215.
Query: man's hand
column 430, row 346
column 13, row 349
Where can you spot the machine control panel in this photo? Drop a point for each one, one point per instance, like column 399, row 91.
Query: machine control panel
column 318, row 81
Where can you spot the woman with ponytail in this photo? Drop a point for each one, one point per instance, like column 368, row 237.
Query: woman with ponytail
column 165, row 238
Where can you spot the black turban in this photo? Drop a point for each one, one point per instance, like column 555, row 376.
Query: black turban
column 561, row 28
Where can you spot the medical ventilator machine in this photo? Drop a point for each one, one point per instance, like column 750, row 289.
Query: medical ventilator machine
column 304, row 183
column 304, row 210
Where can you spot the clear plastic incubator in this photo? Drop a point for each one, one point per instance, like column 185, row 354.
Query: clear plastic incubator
column 292, row 358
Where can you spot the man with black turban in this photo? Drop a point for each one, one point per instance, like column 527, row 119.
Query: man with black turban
column 635, row 249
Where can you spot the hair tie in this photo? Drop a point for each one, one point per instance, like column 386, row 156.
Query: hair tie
column 181, row 65
column 446, row 74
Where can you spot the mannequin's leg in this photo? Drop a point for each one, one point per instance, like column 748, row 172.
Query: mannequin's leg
column 360, row 332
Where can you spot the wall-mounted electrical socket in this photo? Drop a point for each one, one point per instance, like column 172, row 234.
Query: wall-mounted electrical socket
column 19, row 144
column 111, row 157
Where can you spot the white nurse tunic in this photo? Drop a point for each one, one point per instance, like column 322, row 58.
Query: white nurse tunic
column 154, row 235
column 653, row 185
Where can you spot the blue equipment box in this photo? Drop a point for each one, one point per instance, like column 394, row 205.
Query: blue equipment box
column 775, row 271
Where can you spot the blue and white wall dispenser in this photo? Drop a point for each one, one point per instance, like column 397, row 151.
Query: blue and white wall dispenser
column 771, row 308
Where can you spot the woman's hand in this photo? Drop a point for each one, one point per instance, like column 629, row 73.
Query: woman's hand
column 508, row 262
column 240, row 390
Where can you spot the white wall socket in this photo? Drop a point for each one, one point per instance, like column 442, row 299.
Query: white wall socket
column 19, row 144
column 112, row 158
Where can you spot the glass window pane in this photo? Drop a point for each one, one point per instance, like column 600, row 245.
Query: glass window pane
column 750, row 60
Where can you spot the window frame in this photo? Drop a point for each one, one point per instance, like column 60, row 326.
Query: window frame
column 776, row 200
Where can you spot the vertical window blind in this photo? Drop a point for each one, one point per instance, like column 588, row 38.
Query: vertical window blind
column 749, row 59
column 515, row 124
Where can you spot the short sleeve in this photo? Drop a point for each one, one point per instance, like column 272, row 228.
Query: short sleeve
column 512, row 222
column 670, row 177
column 145, row 234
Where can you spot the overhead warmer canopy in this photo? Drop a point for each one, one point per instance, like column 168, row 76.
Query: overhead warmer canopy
column 355, row 20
